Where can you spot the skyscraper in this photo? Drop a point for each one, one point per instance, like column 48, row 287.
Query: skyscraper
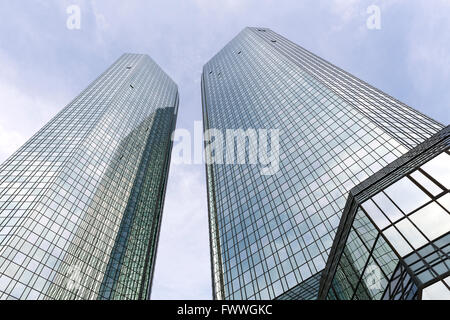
column 81, row 201
column 271, row 234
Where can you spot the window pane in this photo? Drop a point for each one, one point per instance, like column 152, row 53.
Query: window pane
column 397, row 241
column 436, row 291
column 388, row 207
column 411, row 233
column 429, row 185
column 439, row 169
column 432, row 220
column 406, row 195
column 377, row 216
column 445, row 201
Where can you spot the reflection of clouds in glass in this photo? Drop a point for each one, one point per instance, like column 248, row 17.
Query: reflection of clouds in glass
column 411, row 233
column 432, row 220
column 437, row 291
column 407, row 195
column 400, row 244
column 377, row 216
column 439, row 169
column 387, row 207
column 445, row 201
column 426, row 183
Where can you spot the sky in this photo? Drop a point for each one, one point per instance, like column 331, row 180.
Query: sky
column 44, row 65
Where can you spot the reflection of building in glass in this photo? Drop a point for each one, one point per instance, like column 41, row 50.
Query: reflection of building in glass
column 81, row 201
column 393, row 241
column 271, row 234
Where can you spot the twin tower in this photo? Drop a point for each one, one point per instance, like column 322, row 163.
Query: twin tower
column 358, row 208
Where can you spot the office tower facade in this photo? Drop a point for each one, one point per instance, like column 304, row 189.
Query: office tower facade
column 81, row 201
column 393, row 241
column 270, row 235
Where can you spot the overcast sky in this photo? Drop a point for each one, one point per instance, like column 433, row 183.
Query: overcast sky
column 43, row 65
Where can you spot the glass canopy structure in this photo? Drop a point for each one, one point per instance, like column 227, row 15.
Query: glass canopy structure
column 393, row 241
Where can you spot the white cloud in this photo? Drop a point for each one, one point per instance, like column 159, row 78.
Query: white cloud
column 21, row 116
column 9, row 142
column 429, row 57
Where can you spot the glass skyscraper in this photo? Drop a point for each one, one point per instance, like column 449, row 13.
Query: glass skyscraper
column 271, row 235
column 81, row 201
